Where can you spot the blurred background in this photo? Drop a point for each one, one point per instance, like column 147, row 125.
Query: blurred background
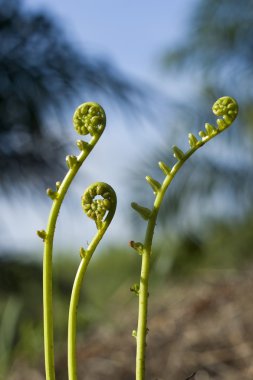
column 156, row 68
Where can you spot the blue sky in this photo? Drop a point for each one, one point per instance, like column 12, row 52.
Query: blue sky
column 133, row 36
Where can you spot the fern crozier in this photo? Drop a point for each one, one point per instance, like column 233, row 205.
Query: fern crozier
column 89, row 118
column 98, row 200
column 226, row 107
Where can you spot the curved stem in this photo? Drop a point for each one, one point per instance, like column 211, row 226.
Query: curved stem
column 74, row 300
column 219, row 108
column 47, row 261
column 75, row 295
column 72, row 322
column 145, row 267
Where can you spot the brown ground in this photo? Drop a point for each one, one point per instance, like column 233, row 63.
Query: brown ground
column 203, row 326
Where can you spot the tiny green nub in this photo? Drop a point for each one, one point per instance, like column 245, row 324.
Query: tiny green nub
column 42, row 234
column 82, row 253
column 202, row 134
column 165, row 168
column 221, row 124
column 135, row 288
column 192, row 140
column 144, row 212
column 89, row 118
column 82, row 145
column 155, row 185
column 58, row 185
column 71, row 161
column 177, row 153
column 52, row 194
column 137, row 246
column 210, row 129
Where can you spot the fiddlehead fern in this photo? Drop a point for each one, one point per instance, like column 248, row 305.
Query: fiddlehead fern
column 89, row 118
column 228, row 109
column 99, row 203
column 98, row 200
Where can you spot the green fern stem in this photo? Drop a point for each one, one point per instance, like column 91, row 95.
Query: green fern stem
column 89, row 118
column 96, row 210
column 228, row 109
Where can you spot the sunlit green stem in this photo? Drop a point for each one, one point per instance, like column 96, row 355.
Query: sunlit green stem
column 75, row 295
column 102, row 226
column 144, row 279
column 228, row 109
column 47, row 261
column 145, row 269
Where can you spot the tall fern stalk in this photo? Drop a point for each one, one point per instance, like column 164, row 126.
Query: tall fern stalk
column 88, row 119
column 101, row 210
column 228, row 109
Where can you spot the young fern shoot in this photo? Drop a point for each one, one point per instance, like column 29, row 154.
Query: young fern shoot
column 88, row 119
column 227, row 108
column 99, row 203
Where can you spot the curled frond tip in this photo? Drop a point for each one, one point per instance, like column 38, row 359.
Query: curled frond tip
column 89, row 118
column 226, row 107
column 99, row 202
